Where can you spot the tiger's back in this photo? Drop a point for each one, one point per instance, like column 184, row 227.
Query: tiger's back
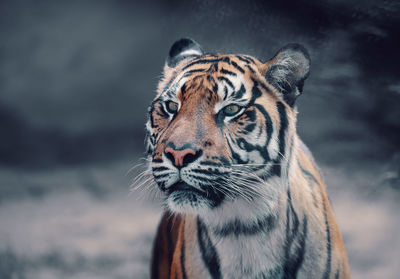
column 244, row 198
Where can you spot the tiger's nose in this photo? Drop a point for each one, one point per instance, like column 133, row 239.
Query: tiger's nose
column 183, row 157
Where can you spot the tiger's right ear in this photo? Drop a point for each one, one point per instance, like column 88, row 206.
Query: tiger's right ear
column 183, row 49
column 287, row 71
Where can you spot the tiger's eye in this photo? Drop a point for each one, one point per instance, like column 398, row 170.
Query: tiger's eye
column 172, row 107
column 231, row 110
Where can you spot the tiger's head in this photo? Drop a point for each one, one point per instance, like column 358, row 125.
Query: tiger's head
column 221, row 125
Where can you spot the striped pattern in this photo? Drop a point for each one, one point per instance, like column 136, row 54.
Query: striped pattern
column 252, row 202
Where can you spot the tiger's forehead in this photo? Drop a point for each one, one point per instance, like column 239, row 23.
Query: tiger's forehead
column 226, row 75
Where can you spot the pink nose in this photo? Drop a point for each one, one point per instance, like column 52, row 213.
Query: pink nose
column 180, row 157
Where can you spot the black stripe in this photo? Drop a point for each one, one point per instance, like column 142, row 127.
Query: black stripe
column 170, row 93
column 248, row 57
column 158, row 176
column 268, row 122
column 265, row 87
column 188, row 73
column 288, row 239
column 241, row 58
column 224, row 71
column 251, row 115
column 160, row 168
column 151, row 110
column 248, row 129
column 152, row 124
column 250, row 68
column 309, row 174
column 211, row 79
column 184, row 276
column 213, row 67
column 237, row 227
column 292, row 226
column 210, row 172
column 235, row 155
column 202, row 61
column 183, row 90
column 337, row 274
column 276, row 169
column 301, row 249
column 161, row 185
column 202, row 171
column 293, row 215
column 239, row 94
column 255, row 91
column 208, row 251
column 283, row 128
column 210, row 163
column 269, row 130
column 327, row 271
column 214, row 85
column 225, row 93
column 234, row 64
column 163, row 113
column 222, row 159
column 227, row 81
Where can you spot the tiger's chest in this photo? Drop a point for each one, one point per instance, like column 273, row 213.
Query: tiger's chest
column 249, row 257
column 210, row 255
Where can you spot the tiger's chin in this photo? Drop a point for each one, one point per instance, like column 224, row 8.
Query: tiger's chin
column 185, row 199
column 188, row 203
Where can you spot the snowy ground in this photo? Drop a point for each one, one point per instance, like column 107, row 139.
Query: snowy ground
column 81, row 222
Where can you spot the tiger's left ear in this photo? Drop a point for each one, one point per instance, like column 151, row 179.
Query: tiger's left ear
column 288, row 70
column 183, row 49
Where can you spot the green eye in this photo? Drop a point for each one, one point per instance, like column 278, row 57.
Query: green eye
column 172, row 107
column 231, row 110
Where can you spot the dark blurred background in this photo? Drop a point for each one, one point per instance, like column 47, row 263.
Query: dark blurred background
column 76, row 78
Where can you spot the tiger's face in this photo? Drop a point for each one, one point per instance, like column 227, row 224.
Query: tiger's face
column 220, row 125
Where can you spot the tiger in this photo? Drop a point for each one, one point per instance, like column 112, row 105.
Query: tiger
column 243, row 196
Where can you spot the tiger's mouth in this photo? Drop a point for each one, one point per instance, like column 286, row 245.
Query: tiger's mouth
column 184, row 193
